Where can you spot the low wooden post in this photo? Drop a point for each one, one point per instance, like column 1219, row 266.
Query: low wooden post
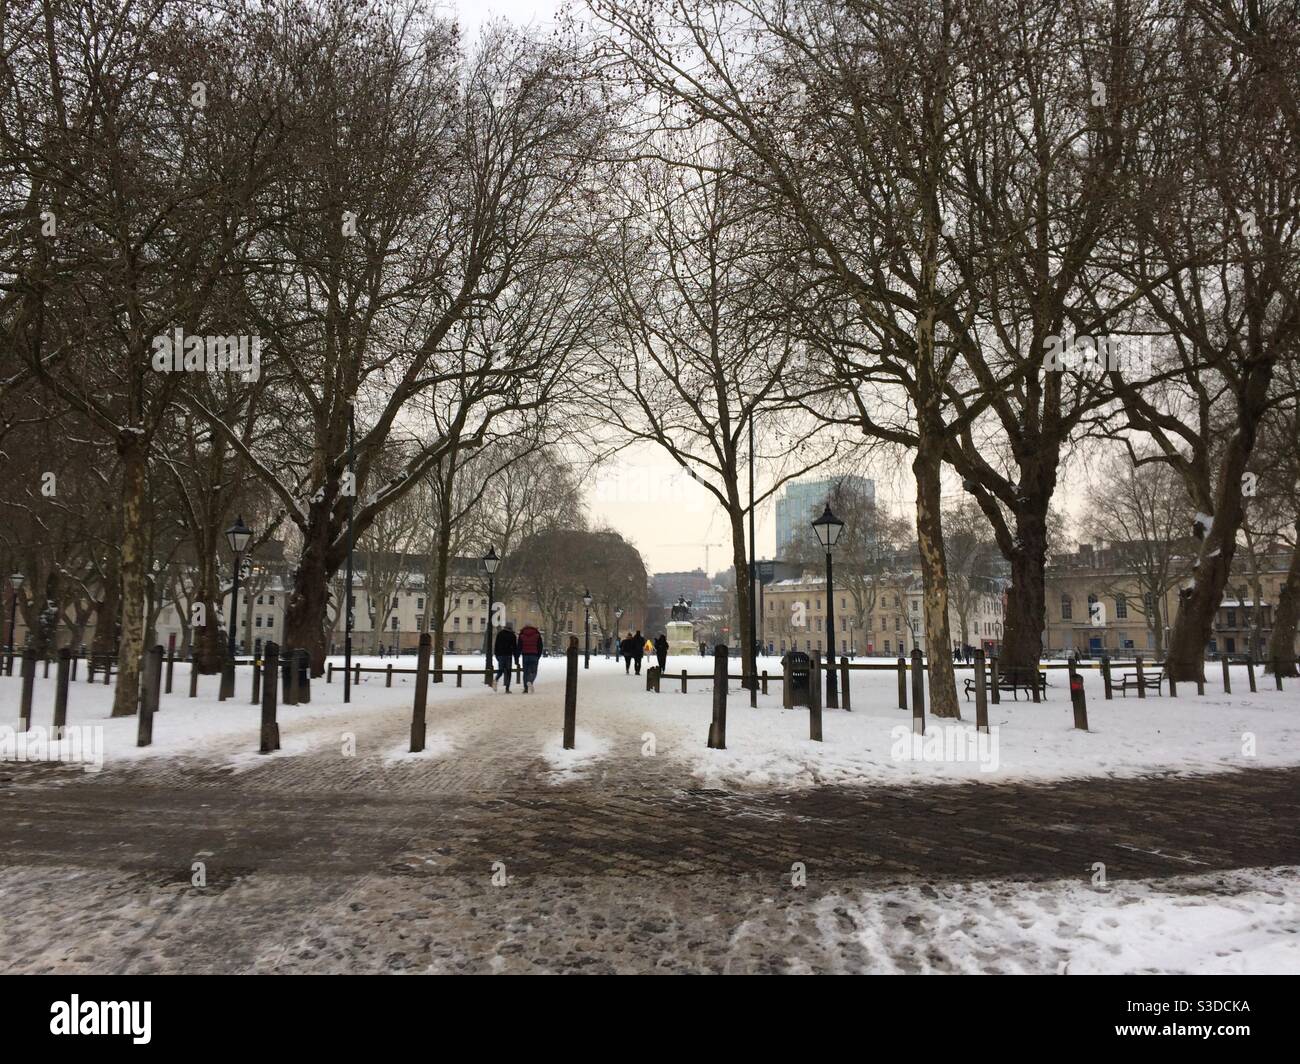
column 658, row 678
column 171, row 660
column 460, row 675
column 981, row 695
column 329, row 672
column 995, row 692
column 1277, row 673
column 1227, row 678
column 356, row 673
column 388, row 675
column 718, row 726
column 1105, row 677
column 1142, row 687
column 1173, row 684
column 787, row 683
column 61, row 694
column 270, row 677
column 194, row 677
column 227, row 688
column 764, row 678
column 650, row 678
column 1078, row 700
column 844, row 684
column 815, row 694
column 152, row 682
column 256, row 700
column 683, row 681
column 570, row 693
column 918, row 694
column 45, row 675
column 304, row 677
column 902, row 682
column 421, row 693
column 288, row 679
column 1250, row 672
column 28, row 669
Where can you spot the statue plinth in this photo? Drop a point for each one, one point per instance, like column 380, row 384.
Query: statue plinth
column 681, row 638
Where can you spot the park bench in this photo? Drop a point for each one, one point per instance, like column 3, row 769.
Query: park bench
column 1149, row 680
column 1007, row 684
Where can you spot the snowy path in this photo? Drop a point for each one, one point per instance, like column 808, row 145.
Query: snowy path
column 641, row 850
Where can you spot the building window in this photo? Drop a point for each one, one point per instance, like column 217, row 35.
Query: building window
column 1067, row 608
column 259, row 600
column 1121, row 607
column 419, row 603
column 394, row 624
column 1232, row 618
column 455, row 624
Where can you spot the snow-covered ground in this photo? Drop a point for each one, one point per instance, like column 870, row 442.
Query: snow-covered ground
column 767, row 747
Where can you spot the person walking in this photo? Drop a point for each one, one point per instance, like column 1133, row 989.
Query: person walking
column 638, row 649
column 629, row 652
column 661, row 652
column 504, row 648
column 529, row 649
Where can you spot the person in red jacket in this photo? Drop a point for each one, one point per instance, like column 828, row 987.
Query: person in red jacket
column 529, row 648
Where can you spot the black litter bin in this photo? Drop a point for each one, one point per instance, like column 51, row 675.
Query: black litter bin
column 799, row 666
column 302, row 662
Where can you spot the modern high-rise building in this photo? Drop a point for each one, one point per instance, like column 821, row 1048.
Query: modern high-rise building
column 804, row 501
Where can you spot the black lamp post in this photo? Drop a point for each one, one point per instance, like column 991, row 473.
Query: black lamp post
column 828, row 528
column 490, row 563
column 15, row 582
column 618, row 627
column 238, row 536
column 586, row 628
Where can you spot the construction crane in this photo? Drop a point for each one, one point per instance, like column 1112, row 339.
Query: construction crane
column 695, row 543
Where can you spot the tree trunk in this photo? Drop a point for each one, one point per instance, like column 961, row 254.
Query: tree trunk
column 1197, row 608
column 127, row 694
column 1281, row 643
column 438, row 604
column 1022, row 643
column 304, row 617
column 744, row 590
column 107, row 612
column 934, row 577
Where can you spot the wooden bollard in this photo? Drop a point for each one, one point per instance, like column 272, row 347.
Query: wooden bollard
column 918, row 694
column 1277, row 673
column 152, row 684
column 764, row 680
column 1105, row 677
column 981, row 695
column 388, row 675
column 787, row 683
column 270, row 734
column 1173, row 684
column 227, row 688
column 902, row 682
column 995, row 693
column 1227, row 678
column 329, row 672
column 256, row 700
column 194, row 677
column 171, row 661
column 460, row 675
column 61, row 693
column 650, row 678
column 1078, row 700
column 683, row 681
column 1142, row 687
column 28, row 669
column 844, row 684
column 570, row 693
column 356, row 674
column 815, row 695
column 718, row 726
column 421, row 693
column 45, row 675
column 304, row 677
column 1250, row 672
column 288, row 679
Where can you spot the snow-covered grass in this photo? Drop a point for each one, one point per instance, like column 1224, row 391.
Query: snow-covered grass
column 767, row 747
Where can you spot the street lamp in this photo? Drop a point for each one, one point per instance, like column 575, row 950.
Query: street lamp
column 586, row 628
column 618, row 627
column 490, row 563
column 238, row 536
column 828, row 528
column 16, row 582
